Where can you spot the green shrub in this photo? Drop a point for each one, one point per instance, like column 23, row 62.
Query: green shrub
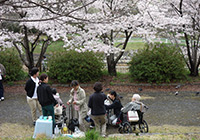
column 92, row 135
column 67, row 66
column 160, row 64
column 12, row 63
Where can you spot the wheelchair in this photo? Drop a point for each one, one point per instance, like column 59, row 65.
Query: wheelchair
column 126, row 126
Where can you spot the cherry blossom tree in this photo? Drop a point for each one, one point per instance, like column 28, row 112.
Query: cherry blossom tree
column 38, row 23
column 93, row 25
column 176, row 20
column 109, row 20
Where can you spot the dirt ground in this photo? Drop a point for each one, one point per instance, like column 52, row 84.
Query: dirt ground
column 164, row 107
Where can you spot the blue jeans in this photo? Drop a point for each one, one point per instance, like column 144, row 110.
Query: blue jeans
column 1, row 89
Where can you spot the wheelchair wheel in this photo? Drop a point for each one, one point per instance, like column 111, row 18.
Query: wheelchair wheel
column 144, row 127
column 120, row 130
column 127, row 128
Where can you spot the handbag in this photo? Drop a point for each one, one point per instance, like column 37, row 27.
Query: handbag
column 72, row 124
column 58, row 110
column 133, row 116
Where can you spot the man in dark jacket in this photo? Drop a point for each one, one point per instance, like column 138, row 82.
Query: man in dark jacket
column 31, row 91
column 46, row 99
column 98, row 110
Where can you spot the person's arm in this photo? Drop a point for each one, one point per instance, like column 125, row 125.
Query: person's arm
column 70, row 97
column 50, row 94
column 27, row 86
column 90, row 102
column 126, row 108
column 112, row 106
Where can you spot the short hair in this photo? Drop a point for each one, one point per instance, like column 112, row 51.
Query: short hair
column 74, row 83
column 54, row 91
column 98, row 87
column 136, row 97
column 112, row 92
column 34, row 70
column 43, row 76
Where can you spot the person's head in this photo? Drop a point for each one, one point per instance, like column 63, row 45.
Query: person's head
column 98, row 87
column 136, row 97
column 112, row 94
column 75, row 84
column 44, row 78
column 54, row 91
column 34, row 72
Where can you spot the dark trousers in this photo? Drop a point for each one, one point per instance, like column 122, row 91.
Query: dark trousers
column 49, row 111
column 1, row 89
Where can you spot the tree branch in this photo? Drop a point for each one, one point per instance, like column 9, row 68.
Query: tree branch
column 34, row 43
column 188, row 50
column 2, row 2
column 128, row 35
column 42, row 52
column 51, row 18
column 20, row 54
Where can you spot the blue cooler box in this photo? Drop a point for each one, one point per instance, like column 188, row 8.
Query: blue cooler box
column 43, row 126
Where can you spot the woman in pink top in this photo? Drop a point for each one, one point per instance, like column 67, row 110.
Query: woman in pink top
column 78, row 99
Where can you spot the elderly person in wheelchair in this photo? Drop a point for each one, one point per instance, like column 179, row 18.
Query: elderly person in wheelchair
column 132, row 115
column 134, row 104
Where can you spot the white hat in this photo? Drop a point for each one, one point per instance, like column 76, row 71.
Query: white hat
column 136, row 97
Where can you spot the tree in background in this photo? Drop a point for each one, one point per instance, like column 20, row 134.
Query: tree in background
column 95, row 25
column 176, row 20
column 27, row 24
column 110, row 20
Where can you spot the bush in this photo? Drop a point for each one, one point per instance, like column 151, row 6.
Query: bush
column 12, row 63
column 92, row 135
column 67, row 66
column 160, row 64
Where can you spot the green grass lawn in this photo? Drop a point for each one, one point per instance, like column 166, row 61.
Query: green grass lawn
column 58, row 46
column 133, row 44
column 54, row 46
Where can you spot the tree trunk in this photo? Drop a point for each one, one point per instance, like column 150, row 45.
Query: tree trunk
column 28, row 50
column 111, row 65
column 194, row 71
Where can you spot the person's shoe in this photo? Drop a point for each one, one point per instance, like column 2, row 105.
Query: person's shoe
column 91, row 126
column 103, row 136
column 2, row 98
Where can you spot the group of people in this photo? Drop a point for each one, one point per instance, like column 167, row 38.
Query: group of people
column 40, row 96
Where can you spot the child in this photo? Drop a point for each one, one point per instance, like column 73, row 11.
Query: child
column 57, row 96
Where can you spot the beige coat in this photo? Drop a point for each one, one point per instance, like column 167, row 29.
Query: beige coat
column 81, row 101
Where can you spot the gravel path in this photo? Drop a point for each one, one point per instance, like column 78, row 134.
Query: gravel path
column 164, row 107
